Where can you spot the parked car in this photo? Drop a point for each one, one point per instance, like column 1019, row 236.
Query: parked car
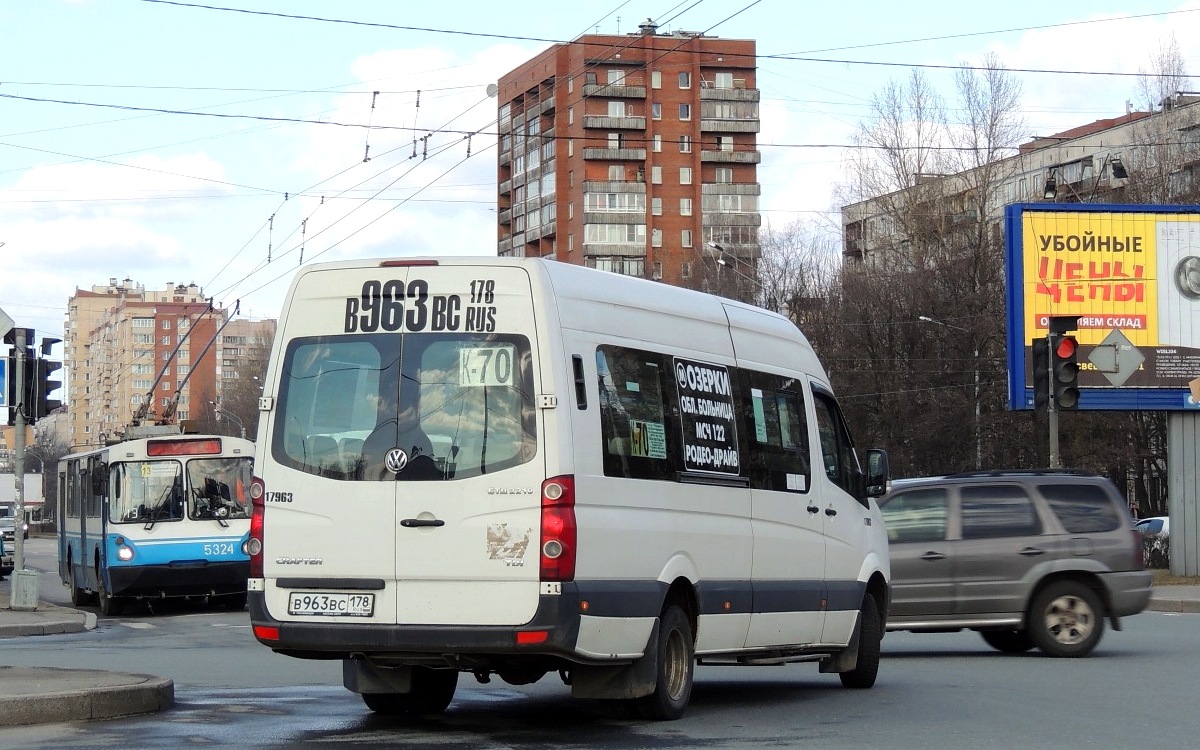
column 1154, row 525
column 8, row 531
column 1156, row 533
column 1027, row 558
column 6, row 560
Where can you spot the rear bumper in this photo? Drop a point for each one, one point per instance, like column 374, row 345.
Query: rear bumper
column 190, row 579
column 557, row 617
column 1128, row 591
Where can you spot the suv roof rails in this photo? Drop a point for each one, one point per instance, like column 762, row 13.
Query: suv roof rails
column 1022, row 473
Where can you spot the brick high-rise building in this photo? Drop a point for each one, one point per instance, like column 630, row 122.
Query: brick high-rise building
column 118, row 338
column 632, row 153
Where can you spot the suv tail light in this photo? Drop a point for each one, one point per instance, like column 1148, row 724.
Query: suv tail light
column 254, row 545
column 1139, row 550
column 559, row 533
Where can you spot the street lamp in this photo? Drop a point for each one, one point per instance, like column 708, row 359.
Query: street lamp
column 975, row 358
column 778, row 307
column 222, row 412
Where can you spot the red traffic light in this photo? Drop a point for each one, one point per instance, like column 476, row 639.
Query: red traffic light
column 1066, row 347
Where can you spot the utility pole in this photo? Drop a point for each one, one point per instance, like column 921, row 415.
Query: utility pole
column 23, row 591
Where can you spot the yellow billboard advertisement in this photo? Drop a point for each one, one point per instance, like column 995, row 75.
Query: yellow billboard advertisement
column 1131, row 274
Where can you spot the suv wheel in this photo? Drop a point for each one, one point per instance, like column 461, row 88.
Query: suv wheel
column 1066, row 619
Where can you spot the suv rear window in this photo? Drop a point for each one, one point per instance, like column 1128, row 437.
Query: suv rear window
column 997, row 510
column 1081, row 508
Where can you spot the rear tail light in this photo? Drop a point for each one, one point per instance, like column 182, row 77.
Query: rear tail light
column 559, row 532
column 254, row 545
column 1139, row 550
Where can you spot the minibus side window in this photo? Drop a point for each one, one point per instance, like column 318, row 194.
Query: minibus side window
column 638, row 439
column 837, row 451
column 776, row 427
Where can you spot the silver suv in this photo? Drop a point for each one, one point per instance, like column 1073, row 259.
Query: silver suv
column 1027, row 558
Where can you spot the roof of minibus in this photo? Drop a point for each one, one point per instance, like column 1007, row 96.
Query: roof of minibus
column 572, row 281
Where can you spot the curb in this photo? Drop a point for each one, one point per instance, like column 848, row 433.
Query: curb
column 108, row 695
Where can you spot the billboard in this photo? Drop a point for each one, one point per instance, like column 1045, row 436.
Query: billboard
column 1132, row 276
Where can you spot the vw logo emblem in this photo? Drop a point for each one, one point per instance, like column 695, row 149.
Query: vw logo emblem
column 395, row 460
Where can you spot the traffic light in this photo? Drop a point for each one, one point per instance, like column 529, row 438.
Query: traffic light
column 41, row 404
column 1041, row 372
column 1066, row 373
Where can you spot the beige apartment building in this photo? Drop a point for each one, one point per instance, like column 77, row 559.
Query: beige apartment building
column 632, row 153
column 127, row 350
column 1139, row 157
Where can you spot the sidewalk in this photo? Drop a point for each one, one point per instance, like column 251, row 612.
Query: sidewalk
column 43, row 695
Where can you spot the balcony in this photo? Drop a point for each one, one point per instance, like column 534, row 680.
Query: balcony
column 614, row 217
column 731, row 219
column 729, row 126
column 729, row 95
column 614, row 186
column 614, row 91
column 618, row 123
column 731, row 157
column 608, row 249
column 615, row 154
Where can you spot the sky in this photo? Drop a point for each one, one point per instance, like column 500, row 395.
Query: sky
column 224, row 144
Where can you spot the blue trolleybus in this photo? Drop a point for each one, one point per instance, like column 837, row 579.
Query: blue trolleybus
column 156, row 517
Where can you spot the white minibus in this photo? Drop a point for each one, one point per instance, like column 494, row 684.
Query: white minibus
column 519, row 467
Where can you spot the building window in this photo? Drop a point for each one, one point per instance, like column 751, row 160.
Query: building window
column 685, row 206
column 656, row 175
column 685, row 111
column 685, row 175
column 685, row 144
column 724, row 175
column 656, row 111
column 685, row 238
column 657, row 272
column 166, row 324
column 657, row 143
column 166, row 340
column 143, row 322
column 656, row 236
column 656, row 79
column 724, row 80
column 616, row 109
column 685, row 80
column 656, row 206
column 589, row 79
column 725, row 143
column 616, row 76
column 685, row 269
column 615, row 140
column 570, row 115
column 616, row 172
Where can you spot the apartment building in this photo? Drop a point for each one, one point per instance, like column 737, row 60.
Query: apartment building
column 632, row 153
column 126, row 347
column 1138, row 157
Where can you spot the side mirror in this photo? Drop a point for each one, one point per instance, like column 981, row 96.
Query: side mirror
column 878, row 472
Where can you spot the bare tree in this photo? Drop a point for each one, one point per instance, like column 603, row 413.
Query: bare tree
column 917, row 328
column 238, row 406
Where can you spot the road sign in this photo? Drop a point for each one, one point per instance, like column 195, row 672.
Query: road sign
column 6, row 324
column 1116, row 357
column 3, row 382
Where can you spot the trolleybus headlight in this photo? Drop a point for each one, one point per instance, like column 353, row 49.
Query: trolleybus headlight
column 124, row 553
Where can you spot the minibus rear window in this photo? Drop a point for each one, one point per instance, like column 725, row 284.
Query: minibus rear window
column 405, row 407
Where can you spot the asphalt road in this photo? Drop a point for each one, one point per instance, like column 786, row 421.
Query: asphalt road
column 935, row 691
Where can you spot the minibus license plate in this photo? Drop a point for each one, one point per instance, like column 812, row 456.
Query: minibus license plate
column 331, row 605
